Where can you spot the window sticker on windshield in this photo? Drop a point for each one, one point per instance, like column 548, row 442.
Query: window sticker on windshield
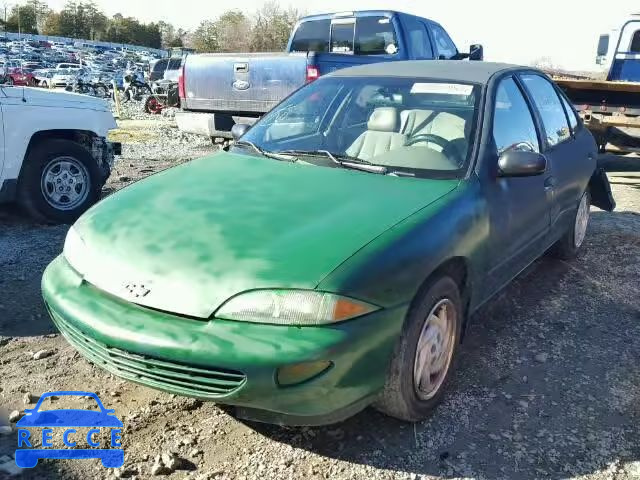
column 382, row 21
column 442, row 88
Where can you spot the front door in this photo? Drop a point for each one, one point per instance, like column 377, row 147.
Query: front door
column 519, row 207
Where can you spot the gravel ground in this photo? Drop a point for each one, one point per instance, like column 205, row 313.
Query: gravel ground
column 548, row 384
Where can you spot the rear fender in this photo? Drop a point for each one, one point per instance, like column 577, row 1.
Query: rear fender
column 600, row 189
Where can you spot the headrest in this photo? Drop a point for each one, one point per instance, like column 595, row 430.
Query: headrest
column 383, row 119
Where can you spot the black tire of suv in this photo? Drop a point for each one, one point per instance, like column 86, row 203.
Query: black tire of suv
column 30, row 196
column 398, row 398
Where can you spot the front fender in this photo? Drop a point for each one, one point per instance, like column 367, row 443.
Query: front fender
column 390, row 270
column 28, row 120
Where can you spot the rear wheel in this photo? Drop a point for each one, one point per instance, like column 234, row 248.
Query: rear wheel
column 152, row 105
column 569, row 245
column 424, row 356
column 59, row 181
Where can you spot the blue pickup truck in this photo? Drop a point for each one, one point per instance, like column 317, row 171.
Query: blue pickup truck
column 220, row 90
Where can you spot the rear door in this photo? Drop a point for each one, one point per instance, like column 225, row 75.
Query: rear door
column 569, row 148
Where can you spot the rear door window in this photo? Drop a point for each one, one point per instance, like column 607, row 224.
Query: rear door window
column 375, row 36
column 312, row 36
column 548, row 103
column 419, row 40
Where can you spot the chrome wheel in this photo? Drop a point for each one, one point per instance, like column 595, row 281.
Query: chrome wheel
column 65, row 183
column 435, row 349
column 582, row 221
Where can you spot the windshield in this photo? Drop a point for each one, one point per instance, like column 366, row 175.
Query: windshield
column 422, row 126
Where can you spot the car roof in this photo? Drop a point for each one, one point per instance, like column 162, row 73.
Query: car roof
column 452, row 70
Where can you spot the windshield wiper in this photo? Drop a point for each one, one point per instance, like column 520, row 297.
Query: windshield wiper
column 344, row 161
column 336, row 158
column 264, row 153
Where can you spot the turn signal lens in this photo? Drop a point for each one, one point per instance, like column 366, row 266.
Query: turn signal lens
column 301, row 372
column 292, row 307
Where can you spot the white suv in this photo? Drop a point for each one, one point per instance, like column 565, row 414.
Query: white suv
column 54, row 153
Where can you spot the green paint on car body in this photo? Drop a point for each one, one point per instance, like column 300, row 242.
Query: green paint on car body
column 220, row 225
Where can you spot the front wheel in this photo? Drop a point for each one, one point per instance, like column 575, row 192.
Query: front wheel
column 59, row 181
column 568, row 247
column 425, row 353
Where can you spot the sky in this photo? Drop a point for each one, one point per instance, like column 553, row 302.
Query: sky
column 564, row 31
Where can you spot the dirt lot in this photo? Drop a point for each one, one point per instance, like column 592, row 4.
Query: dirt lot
column 548, row 384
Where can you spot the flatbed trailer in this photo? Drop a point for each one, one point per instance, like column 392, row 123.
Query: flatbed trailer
column 609, row 109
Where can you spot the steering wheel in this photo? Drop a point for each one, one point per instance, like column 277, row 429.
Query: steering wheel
column 428, row 137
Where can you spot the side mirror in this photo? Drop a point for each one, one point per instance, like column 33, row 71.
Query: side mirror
column 476, row 52
column 520, row 163
column 238, row 130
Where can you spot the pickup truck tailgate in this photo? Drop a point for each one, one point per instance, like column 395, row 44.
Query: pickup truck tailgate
column 241, row 83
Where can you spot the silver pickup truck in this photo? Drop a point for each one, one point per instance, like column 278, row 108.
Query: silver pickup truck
column 220, row 90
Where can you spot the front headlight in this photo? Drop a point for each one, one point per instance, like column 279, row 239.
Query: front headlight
column 292, row 307
column 75, row 251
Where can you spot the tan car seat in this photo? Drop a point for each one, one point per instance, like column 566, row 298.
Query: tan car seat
column 381, row 135
column 453, row 128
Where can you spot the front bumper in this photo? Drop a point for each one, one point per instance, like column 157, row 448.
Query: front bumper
column 227, row 362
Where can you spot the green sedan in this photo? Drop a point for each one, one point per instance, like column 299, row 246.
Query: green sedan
column 330, row 259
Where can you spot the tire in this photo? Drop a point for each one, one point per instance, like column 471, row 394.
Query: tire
column 44, row 85
column 10, row 81
column 101, row 91
column 47, row 163
column 401, row 398
column 568, row 247
column 152, row 105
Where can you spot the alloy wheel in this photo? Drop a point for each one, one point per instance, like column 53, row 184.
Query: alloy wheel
column 434, row 351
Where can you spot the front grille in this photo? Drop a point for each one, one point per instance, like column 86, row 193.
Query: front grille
column 181, row 378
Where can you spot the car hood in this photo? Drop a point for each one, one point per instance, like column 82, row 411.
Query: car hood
column 54, row 98
column 187, row 239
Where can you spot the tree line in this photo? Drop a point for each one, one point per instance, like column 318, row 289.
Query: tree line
column 233, row 31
